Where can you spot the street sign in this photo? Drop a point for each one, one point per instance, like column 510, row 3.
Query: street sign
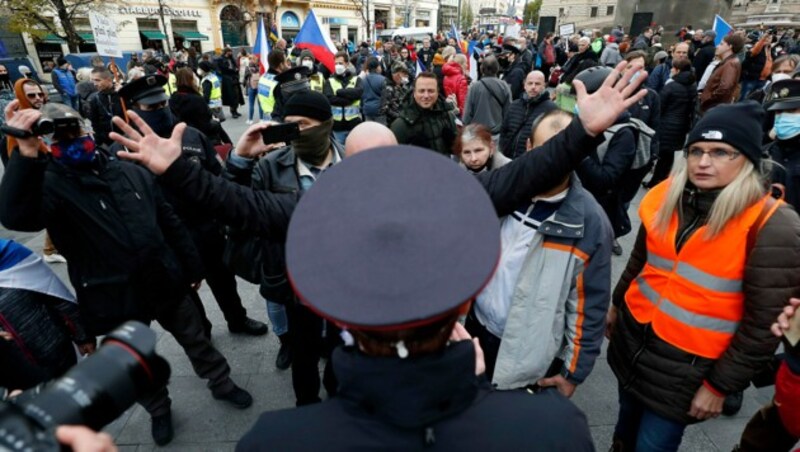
column 105, row 35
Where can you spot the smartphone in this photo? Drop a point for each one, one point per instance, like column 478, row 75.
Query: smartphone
column 277, row 133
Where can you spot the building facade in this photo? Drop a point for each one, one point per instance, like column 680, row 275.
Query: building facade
column 778, row 13
column 584, row 14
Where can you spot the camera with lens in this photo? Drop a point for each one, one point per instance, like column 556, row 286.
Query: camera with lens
column 93, row 393
column 56, row 119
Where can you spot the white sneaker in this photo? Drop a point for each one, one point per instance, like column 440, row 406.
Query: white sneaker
column 249, row 122
column 55, row 259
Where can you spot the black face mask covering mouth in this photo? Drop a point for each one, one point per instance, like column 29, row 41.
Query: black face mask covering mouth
column 161, row 121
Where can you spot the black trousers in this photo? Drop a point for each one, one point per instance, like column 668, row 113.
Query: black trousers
column 489, row 342
column 183, row 321
column 220, row 279
column 309, row 345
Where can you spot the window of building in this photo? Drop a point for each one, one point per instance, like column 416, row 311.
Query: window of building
column 610, row 10
column 560, row 12
column 593, row 12
column 150, row 34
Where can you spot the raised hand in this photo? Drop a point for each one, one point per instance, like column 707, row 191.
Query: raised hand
column 146, row 147
column 601, row 109
column 23, row 120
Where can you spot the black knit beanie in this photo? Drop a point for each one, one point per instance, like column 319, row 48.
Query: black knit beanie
column 739, row 125
column 310, row 104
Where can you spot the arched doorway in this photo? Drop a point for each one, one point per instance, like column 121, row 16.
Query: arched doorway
column 233, row 26
column 290, row 25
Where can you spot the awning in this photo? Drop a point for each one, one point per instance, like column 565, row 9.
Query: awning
column 87, row 36
column 191, row 35
column 153, row 35
column 52, row 39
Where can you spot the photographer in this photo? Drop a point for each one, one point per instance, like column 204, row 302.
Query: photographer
column 130, row 257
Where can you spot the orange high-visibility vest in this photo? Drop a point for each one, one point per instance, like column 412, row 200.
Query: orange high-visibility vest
column 693, row 298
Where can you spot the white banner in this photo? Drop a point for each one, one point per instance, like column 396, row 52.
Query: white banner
column 105, row 35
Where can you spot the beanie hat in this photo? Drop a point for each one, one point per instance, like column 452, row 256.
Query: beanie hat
column 306, row 54
column 205, row 66
column 61, row 61
column 739, row 125
column 310, row 104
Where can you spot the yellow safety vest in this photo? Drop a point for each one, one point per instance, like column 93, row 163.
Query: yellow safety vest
column 215, row 99
column 172, row 85
column 266, row 93
column 317, row 81
column 350, row 112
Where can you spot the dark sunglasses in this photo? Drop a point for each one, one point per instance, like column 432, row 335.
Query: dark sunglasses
column 35, row 95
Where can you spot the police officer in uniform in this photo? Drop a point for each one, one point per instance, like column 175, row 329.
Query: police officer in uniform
column 344, row 91
column 211, row 86
column 288, row 82
column 317, row 79
column 267, row 83
column 148, row 99
column 411, row 379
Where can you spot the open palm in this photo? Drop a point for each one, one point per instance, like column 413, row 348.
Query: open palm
column 601, row 109
column 145, row 146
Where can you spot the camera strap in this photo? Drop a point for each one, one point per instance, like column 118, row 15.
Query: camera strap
column 15, row 132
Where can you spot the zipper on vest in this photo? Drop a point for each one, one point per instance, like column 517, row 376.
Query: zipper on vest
column 635, row 358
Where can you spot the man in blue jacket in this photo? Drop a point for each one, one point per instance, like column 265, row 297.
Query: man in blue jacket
column 65, row 82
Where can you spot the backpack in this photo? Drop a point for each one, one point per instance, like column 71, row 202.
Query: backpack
column 644, row 139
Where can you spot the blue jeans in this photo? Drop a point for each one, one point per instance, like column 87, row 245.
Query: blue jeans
column 252, row 96
column 341, row 136
column 277, row 316
column 748, row 86
column 642, row 430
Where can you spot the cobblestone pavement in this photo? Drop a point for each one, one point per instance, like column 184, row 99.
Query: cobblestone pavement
column 204, row 424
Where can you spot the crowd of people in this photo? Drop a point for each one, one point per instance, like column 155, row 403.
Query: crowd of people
column 387, row 284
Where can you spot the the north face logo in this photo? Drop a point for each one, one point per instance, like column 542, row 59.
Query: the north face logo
column 712, row 135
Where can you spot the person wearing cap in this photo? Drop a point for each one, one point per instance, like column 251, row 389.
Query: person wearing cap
column 374, row 83
column 512, row 69
column 691, row 314
column 316, row 80
column 410, row 378
column 104, row 104
column 722, row 86
column 294, row 168
column 129, row 255
column 703, row 50
column 64, row 82
column 394, row 93
column 662, row 64
column 426, row 120
column 757, row 63
column 211, row 86
column 784, row 101
column 148, row 100
column 344, row 90
column 267, row 84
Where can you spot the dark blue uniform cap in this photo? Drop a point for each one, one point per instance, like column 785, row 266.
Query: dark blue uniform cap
column 392, row 238
column 147, row 90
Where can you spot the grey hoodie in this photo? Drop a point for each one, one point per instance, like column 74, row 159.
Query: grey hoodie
column 610, row 56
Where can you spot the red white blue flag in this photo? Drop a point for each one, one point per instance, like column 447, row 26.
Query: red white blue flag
column 312, row 38
column 262, row 47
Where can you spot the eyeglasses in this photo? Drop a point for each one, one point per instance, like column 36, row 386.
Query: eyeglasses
column 34, row 95
column 716, row 155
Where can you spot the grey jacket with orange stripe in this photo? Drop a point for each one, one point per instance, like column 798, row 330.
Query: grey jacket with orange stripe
column 561, row 297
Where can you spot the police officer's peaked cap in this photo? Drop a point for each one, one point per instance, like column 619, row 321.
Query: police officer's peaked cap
column 293, row 74
column 783, row 95
column 392, row 238
column 147, row 90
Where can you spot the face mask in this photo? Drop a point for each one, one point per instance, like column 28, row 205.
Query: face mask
column 308, row 63
column 74, row 153
column 787, row 125
column 201, row 72
column 313, row 143
column 339, row 69
column 779, row 77
column 5, row 79
column 161, row 121
column 404, row 81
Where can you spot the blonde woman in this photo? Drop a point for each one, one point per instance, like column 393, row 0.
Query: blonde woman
column 715, row 262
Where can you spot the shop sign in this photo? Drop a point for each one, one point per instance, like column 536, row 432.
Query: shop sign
column 154, row 10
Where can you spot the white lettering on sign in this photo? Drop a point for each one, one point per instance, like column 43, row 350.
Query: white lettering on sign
column 154, row 10
column 105, row 35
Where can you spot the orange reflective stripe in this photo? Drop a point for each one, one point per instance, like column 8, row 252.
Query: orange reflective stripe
column 573, row 365
column 569, row 249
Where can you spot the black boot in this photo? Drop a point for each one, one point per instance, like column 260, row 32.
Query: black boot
column 161, row 429
column 237, row 397
column 249, row 326
column 284, row 359
column 733, row 403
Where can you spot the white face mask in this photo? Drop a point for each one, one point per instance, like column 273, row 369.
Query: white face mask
column 404, row 80
column 308, row 63
column 339, row 69
column 779, row 77
column 201, row 72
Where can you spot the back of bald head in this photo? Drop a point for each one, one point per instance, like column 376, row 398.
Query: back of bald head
column 368, row 135
column 536, row 74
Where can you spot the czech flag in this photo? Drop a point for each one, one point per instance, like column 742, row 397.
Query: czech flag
column 262, row 47
column 518, row 20
column 312, row 38
column 420, row 67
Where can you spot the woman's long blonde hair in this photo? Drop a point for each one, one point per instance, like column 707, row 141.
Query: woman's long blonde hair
column 747, row 188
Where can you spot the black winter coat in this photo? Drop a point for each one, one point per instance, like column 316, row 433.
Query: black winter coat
column 103, row 107
column 432, row 403
column 787, row 154
column 678, row 99
column 753, row 65
column 518, row 121
column 665, row 378
column 703, row 57
column 515, row 77
column 604, row 179
column 129, row 254
column 191, row 108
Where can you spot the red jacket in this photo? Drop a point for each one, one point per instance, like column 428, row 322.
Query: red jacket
column 455, row 83
column 787, row 399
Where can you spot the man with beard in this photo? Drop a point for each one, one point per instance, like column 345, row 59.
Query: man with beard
column 294, row 169
column 523, row 111
column 704, row 51
column 147, row 98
